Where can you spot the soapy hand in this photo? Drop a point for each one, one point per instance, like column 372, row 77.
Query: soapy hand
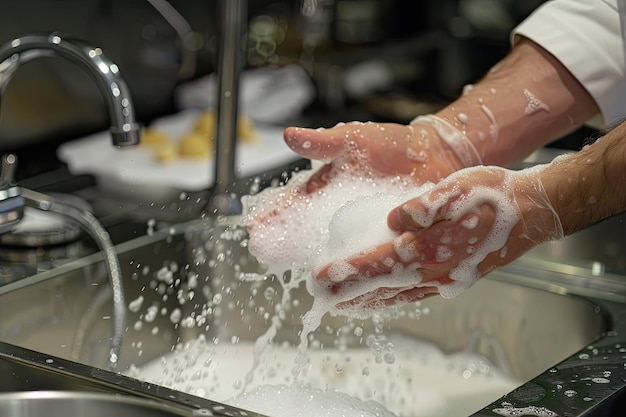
column 470, row 223
column 427, row 151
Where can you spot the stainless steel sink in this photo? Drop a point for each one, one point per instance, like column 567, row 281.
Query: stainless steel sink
column 63, row 404
column 535, row 320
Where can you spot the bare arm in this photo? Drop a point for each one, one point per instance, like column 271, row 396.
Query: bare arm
column 589, row 186
column 526, row 101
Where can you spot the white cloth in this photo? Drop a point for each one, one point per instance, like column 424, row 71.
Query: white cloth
column 585, row 36
column 268, row 95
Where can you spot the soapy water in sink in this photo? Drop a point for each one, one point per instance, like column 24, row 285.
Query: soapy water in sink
column 287, row 229
column 420, row 381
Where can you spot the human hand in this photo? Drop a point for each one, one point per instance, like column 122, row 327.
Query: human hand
column 444, row 240
column 361, row 158
column 427, row 150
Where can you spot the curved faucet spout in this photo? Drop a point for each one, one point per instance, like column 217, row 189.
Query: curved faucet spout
column 105, row 73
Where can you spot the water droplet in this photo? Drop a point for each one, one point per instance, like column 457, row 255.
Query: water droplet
column 201, row 412
column 269, row 293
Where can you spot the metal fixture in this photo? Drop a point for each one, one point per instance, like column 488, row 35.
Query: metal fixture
column 106, row 74
column 92, row 226
column 124, row 132
column 11, row 201
column 60, row 403
column 233, row 15
column 185, row 33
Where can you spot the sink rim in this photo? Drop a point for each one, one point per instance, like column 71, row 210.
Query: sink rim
column 44, row 398
column 93, row 381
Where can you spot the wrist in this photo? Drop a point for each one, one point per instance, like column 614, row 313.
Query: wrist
column 453, row 138
column 540, row 219
column 523, row 103
column 588, row 186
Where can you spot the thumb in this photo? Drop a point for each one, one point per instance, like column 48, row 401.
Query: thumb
column 399, row 221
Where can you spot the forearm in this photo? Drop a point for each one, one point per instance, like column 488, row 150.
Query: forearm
column 526, row 101
column 589, row 186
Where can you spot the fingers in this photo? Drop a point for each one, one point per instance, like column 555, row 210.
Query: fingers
column 399, row 220
column 323, row 145
column 423, row 256
column 423, row 211
column 387, row 297
column 319, row 179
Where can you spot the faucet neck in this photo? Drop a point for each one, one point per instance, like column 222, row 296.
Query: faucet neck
column 103, row 71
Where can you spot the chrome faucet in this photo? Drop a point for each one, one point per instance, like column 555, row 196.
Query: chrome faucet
column 106, row 74
column 124, row 130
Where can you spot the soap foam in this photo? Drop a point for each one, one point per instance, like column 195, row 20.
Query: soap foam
column 287, row 401
column 286, row 225
column 320, row 232
column 532, row 410
column 419, row 379
column 359, row 226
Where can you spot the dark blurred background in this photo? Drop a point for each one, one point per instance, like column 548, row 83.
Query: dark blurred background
column 385, row 60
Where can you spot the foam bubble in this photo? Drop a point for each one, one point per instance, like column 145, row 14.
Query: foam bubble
column 286, row 224
column 534, row 104
column 289, row 401
column 360, row 225
column 525, row 411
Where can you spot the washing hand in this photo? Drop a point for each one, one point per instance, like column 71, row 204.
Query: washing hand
column 470, row 223
column 427, row 150
column 364, row 154
column 417, row 151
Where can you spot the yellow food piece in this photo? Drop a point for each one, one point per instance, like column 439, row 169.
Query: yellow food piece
column 245, row 130
column 195, row 145
column 207, row 124
column 166, row 152
column 153, row 137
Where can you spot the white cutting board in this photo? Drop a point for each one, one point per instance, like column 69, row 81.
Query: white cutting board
column 95, row 155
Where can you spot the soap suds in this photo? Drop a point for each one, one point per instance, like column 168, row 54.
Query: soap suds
column 493, row 125
column 349, row 219
column 534, row 104
column 288, row 401
column 529, row 411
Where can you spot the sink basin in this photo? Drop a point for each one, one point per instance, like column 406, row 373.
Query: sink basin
column 196, row 302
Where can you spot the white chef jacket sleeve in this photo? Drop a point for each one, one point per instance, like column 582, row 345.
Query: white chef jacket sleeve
column 584, row 35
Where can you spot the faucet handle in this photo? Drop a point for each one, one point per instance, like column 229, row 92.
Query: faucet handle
column 7, row 170
column 11, row 201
